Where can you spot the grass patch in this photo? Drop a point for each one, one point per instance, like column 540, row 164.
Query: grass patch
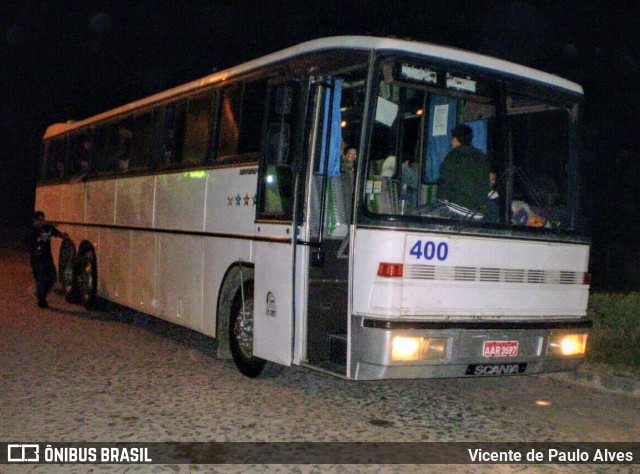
column 615, row 337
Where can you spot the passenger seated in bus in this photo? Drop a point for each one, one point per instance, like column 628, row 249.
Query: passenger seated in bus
column 465, row 178
column 123, row 164
column 83, row 170
column 124, row 149
column 168, row 146
column 348, row 163
column 349, row 157
column 83, row 165
column 60, row 172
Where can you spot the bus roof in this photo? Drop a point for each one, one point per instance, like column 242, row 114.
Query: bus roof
column 335, row 42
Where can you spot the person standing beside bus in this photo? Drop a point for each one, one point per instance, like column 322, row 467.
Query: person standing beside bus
column 465, row 177
column 44, row 271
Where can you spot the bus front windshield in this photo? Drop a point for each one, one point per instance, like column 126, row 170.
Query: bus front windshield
column 449, row 146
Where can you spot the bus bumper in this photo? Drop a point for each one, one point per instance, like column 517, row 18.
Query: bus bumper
column 392, row 349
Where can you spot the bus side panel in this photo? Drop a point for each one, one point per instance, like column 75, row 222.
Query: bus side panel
column 101, row 202
column 134, row 201
column 142, row 269
column 179, row 279
column 49, row 201
column 273, row 293
column 231, row 200
column 114, row 263
column 180, row 201
column 73, row 202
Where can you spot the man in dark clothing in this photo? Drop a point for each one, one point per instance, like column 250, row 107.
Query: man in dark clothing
column 44, row 271
column 464, row 173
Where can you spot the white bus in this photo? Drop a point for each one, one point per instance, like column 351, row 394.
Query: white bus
column 224, row 205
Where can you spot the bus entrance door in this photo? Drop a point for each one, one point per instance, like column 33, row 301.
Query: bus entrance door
column 273, row 318
column 329, row 215
column 274, row 236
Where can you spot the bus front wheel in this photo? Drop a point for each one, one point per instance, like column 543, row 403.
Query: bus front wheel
column 241, row 336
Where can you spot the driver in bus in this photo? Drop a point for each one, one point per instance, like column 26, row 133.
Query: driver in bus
column 465, row 177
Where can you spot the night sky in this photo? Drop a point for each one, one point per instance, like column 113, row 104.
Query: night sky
column 63, row 60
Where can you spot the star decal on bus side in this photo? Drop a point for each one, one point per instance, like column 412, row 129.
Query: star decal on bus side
column 229, row 201
column 238, row 200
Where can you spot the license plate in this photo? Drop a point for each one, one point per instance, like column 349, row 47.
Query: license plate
column 500, row 348
column 496, row 369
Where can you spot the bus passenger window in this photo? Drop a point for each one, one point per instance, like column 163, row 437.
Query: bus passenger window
column 142, row 141
column 241, row 119
column 80, row 156
column 102, row 148
column 197, row 129
column 55, row 161
column 277, row 177
column 168, row 135
column 178, row 134
column 230, row 121
column 173, row 134
column 123, row 153
column 253, row 101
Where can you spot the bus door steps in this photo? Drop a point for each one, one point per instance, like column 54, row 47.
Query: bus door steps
column 338, row 349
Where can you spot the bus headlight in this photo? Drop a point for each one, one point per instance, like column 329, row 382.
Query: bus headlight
column 405, row 348
column 568, row 344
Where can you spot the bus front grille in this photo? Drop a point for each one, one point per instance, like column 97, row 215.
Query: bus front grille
column 485, row 274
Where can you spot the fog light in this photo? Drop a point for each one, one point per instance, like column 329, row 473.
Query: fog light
column 568, row 344
column 405, row 348
column 418, row 348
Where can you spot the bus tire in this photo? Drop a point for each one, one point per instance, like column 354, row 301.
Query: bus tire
column 86, row 277
column 241, row 337
column 66, row 268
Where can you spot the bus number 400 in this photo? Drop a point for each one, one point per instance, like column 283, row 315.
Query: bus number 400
column 430, row 250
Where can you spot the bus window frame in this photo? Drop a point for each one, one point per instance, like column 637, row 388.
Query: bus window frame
column 504, row 85
column 46, row 175
column 295, row 151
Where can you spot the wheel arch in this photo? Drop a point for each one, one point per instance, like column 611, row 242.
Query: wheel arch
column 235, row 274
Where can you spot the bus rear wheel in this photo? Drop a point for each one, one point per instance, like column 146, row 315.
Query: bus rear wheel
column 241, row 336
column 87, row 278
